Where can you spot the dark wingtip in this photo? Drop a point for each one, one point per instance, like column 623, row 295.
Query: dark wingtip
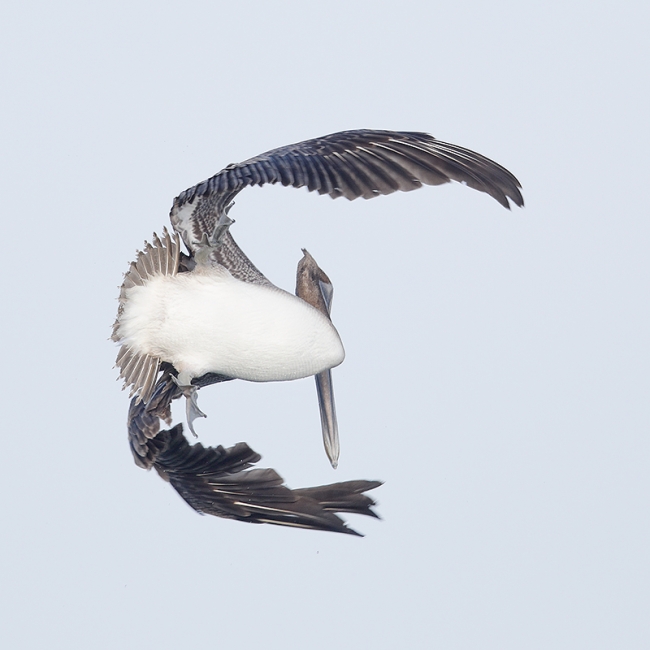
column 221, row 482
column 351, row 531
column 516, row 197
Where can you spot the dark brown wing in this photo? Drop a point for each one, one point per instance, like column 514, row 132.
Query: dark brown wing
column 352, row 164
column 218, row 481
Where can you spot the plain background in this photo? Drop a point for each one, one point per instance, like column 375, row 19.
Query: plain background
column 497, row 362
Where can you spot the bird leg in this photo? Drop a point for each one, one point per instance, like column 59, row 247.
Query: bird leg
column 221, row 228
column 205, row 252
column 192, row 410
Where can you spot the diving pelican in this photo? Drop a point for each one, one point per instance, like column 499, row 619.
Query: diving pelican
column 187, row 320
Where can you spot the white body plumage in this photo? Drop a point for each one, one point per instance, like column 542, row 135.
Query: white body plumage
column 209, row 321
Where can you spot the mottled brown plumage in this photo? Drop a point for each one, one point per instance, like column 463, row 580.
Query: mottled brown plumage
column 352, row 164
column 218, row 481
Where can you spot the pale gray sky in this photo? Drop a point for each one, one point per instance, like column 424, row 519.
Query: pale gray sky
column 497, row 363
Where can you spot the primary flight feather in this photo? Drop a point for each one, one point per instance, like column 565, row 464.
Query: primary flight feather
column 187, row 320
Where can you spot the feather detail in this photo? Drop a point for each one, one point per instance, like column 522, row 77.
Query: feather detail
column 353, row 164
column 219, row 481
column 140, row 371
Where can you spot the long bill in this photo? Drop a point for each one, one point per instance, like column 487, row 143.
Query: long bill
column 314, row 287
column 325, row 391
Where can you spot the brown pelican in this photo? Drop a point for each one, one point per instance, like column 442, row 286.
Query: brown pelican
column 189, row 320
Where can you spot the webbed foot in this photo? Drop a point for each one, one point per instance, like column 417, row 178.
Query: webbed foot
column 192, row 410
column 221, row 227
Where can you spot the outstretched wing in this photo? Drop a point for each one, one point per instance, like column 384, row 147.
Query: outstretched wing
column 352, row 164
column 218, row 481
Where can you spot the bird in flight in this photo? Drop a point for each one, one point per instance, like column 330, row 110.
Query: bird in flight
column 188, row 320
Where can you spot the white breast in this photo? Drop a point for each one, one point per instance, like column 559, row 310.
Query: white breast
column 202, row 322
